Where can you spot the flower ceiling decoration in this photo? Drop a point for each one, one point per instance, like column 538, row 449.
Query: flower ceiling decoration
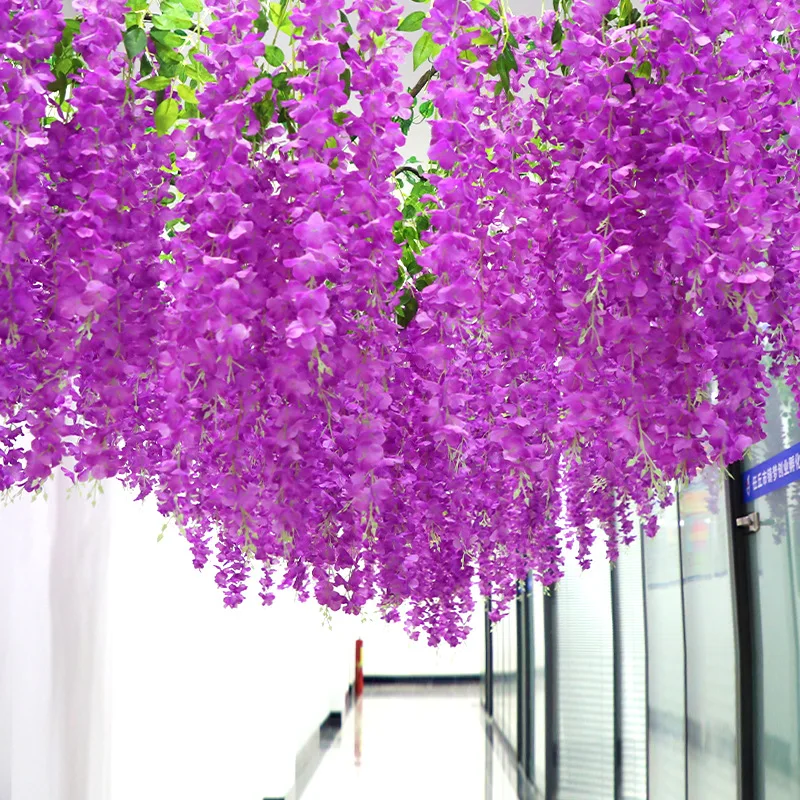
column 380, row 380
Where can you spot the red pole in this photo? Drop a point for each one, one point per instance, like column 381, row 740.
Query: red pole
column 359, row 668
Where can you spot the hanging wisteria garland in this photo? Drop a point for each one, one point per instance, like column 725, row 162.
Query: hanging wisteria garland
column 377, row 380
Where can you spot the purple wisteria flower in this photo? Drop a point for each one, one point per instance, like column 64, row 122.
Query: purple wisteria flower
column 381, row 381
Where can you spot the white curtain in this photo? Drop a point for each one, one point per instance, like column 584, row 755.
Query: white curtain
column 53, row 665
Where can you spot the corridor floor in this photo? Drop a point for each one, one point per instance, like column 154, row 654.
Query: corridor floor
column 420, row 742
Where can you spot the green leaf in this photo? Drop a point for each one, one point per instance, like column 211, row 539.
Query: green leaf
column 198, row 71
column 192, row 6
column 644, row 70
column 410, row 210
column 424, row 49
column 425, row 187
column 274, row 55
column 156, row 83
column 173, row 8
column 405, row 124
column 135, row 41
column 479, row 5
column 71, row 28
column 137, row 5
column 190, row 111
column 279, row 82
column 167, row 68
column 407, row 309
column 179, row 21
column 166, row 115
column 166, row 55
column 64, row 56
column 64, row 66
column 279, row 17
column 413, row 22
column 502, row 67
column 558, row 33
column 262, row 23
column 167, row 38
column 186, row 93
column 626, row 12
column 171, row 22
column 427, row 109
column 410, row 262
column 347, row 26
column 509, row 58
column 485, row 37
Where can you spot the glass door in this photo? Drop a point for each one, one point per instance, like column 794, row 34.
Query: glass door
column 666, row 661
column 712, row 687
column 631, row 671
column 585, row 718
column 536, row 664
column 770, row 483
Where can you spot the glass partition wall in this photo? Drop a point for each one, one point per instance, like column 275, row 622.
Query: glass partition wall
column 774, row 575
column 624, row 682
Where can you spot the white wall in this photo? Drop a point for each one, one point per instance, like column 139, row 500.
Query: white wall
column 123, row 676
column 389, row 652
column 239, row 691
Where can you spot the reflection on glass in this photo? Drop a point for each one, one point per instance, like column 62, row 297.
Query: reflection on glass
column 775, row 581
column 665, row 663
column 504, row 657
column 359, row 722
column 537, row 662
column 498, row 683
column 711, row 685
column 486, row 667
column 488, row 785
column 585, row 678
column 511, row 675
column 632, row 667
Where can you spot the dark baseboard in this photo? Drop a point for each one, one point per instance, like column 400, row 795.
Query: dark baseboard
column 445, row 680
column 310, row 756
column 349, row 698
column 329, row 729
column 333, row 720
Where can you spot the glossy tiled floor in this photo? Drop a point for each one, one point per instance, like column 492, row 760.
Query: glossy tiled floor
column 413, row 743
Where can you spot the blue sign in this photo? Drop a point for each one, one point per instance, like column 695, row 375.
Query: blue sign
column 775, row 473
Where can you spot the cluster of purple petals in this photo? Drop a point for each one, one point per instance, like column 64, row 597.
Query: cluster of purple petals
column 615, row 237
